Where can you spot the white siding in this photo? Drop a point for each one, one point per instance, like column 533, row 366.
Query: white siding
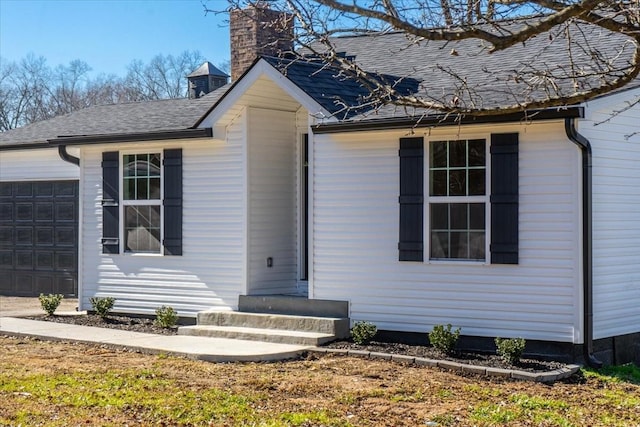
column 616, row 212
column 355, row 226
column 35, row 165
column 272, row 201
column 210, row 271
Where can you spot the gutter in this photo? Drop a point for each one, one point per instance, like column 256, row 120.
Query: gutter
column 64, row 140
column 446, row 120
column 131, row 137
column 64, row 155
column 587, row 240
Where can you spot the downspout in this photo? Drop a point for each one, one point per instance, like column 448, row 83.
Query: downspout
column 587, row 246
column 62, row 151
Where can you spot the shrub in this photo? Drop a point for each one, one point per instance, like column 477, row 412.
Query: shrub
column 102, row 306
column 363, row 332
column 510, row 349
column 50, row 302
column 443, row 339
column 166, row 317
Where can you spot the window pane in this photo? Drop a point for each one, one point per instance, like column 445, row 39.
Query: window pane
column 141, row 164
column 476, row 245
column 142, row 190
column 128, row 165
column 438, row 151
column 477, row 182
column 440, row 216
column 129, row 189
column 459, row 246
column 154, row 188
column 154, row 164
column 458, row 183
column 476, row 216
column 142, row 229
column 457, row 153
column 458, row 216
column 438, row 183
column 476, row 152
column 440, row 245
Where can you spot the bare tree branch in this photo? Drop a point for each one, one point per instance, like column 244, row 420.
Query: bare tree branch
column 504, row 56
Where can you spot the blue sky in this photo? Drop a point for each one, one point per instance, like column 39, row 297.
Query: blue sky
column 109, row 34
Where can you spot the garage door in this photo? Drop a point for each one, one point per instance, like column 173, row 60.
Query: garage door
column 39, row 238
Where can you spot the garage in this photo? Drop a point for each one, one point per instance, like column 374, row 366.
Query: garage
column 39, row 238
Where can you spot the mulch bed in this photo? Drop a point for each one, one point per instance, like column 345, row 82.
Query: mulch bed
column 468, row 358
column 125, row 323
column 146, row 325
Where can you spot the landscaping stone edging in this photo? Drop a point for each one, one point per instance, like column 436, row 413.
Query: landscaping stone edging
column 541, row 377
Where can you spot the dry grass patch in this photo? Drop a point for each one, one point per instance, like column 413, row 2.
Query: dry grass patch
column 57, row 384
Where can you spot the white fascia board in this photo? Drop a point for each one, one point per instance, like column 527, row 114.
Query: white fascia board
column 262, row 67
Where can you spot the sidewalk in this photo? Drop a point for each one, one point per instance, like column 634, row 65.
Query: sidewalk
column 202, row 348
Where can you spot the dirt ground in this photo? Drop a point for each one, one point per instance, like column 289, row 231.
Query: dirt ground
column 350, row 391
column 27, row 306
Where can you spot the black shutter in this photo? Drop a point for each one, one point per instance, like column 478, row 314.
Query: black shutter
column 411, row 199
column 110, row 201
column 172, row 202
column 504, row 198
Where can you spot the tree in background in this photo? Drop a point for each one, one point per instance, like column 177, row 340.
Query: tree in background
column 31, row 90
column 163, row 77
column 575, row 49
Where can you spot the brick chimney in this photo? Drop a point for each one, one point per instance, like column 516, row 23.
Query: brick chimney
column 257, row 31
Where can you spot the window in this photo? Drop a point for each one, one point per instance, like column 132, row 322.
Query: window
column 142, row 202
column 457, row 199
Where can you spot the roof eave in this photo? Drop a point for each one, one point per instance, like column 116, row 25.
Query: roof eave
column 27, row 146
column 447, row 120
column 131, row 137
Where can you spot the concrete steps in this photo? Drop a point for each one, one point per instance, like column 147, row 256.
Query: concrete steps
column 258, row 334
column 300, row 306
column 276, row 319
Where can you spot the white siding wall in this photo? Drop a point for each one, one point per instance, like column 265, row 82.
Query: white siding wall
column 272, row 201
column 356, row 235
column 210, row 273
column 35, row 165
column 616, row 213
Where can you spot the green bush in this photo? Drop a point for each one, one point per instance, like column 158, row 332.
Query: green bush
column 166, row 317
column 50, row 302
column 363, row 332
column 102, row 306
column 510, row 349
column 443, row 339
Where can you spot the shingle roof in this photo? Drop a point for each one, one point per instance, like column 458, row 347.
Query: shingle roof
column 208, row 69
column 426, row 67
column 113, row 119
column 464, row 72
column 332, row 88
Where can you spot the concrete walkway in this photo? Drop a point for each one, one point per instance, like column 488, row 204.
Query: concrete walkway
column 12, row 309
column 210, row 349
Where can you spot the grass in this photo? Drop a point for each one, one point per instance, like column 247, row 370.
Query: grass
column 57, row 384
column 626, row 373
column 147, row 396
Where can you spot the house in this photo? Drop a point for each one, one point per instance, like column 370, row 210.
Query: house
column 522, row 225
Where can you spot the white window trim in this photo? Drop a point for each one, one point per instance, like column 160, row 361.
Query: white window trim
column 486, row 199
column 154, row 202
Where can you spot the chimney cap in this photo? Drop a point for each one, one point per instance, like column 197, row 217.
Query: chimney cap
column 208, row 69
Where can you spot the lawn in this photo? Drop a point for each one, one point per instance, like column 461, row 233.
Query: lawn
column 60, row 384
